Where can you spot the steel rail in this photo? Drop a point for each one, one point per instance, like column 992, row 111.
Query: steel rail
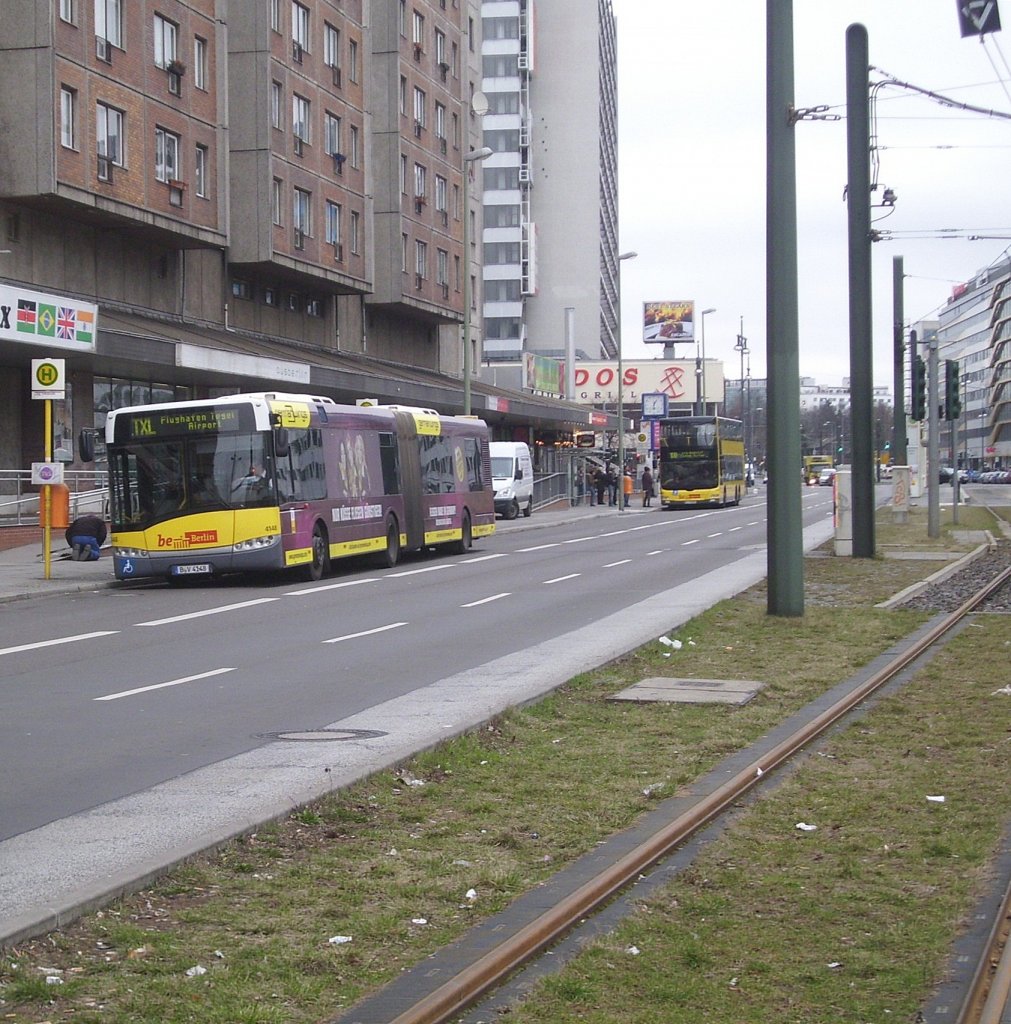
column 991, row 983
column 488, row 971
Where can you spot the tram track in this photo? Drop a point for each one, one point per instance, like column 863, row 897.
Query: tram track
column 477, row 977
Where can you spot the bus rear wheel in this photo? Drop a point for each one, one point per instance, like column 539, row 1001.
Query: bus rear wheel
column 320, row 564
column 466, row 541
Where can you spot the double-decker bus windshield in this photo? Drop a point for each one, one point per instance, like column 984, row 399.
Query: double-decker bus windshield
column 160, row 479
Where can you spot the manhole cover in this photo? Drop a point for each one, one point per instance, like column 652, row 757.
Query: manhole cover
column 691, row 691
column 325, row 735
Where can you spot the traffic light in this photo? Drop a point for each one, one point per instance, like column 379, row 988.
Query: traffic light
column 918, row 388
column 952, row 394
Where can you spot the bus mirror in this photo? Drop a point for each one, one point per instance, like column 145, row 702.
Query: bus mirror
column 281, row 442
column 86, row 445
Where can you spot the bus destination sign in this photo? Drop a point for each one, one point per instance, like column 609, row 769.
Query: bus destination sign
column 140, row 426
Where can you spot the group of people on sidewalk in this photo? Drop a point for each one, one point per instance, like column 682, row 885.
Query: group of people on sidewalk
column 603, row 483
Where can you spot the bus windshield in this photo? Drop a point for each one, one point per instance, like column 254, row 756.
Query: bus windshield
column 159, row 479
column 691, row 474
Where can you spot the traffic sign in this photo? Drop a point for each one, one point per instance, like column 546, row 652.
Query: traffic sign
column 49, row 378
column 47, row 472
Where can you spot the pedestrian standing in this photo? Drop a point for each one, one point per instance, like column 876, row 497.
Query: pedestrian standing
column 600, row 483
column 612, row 485
column 647, row 487
column 626, row 487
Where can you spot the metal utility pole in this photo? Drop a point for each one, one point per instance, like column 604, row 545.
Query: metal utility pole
column 900, row 454
column 933, row 442
column 785, row 529
column 858, row 203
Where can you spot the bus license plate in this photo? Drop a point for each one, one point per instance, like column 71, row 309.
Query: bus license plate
column 201, row 568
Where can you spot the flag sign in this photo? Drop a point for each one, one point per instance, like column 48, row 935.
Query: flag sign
column 978, row 17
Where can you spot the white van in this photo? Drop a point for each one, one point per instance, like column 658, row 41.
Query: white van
column 512, row 473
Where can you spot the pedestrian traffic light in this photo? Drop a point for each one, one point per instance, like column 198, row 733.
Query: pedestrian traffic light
column 952, row 393
column 918, row 388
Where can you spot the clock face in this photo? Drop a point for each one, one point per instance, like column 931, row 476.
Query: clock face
column 652, row 405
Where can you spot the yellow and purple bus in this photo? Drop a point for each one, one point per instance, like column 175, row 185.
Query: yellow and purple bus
column 278, row 481
column 701, row 461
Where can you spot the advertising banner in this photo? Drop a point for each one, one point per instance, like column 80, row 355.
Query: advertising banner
column 543, row 374
column 49, row 320
column 664, row 323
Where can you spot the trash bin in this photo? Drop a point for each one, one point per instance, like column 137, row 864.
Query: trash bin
column 59, row 507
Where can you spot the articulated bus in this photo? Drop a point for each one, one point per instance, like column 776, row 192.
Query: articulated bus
column 701, row 461
column 276, row 481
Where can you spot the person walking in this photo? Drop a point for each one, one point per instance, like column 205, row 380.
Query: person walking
column 612, row 485
column 647, row 487
column 626, row 488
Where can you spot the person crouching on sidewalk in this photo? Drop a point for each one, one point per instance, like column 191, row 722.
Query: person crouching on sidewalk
column 86, row 535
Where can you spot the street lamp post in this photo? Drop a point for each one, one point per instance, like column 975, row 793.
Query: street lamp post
column 621, row 424
column 700, row 365
column 469, row 158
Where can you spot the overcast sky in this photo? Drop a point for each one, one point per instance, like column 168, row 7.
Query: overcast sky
column 691, row 128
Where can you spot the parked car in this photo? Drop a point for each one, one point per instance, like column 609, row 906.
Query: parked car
column 826, row 477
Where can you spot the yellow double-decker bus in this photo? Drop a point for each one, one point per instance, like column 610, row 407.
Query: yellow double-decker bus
column 701, row 461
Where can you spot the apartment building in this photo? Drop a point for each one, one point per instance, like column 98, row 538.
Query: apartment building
column 199, row 198
column 550, row 188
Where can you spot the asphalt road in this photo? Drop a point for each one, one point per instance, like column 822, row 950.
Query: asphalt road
column 151, row 726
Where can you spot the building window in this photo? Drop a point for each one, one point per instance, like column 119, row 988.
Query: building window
column 166, row 155
column 418, row 33
column 200, row 156
column 440, row 122
column 403, row 252
column 331, row 134
column 109, row 135
column 355, row 146
column 456, row 130
column 200, row 63
column 402, row 17
column 442, row 267
column 276, row 103
column 67, row 11
column 333, row 223
column 275, row 15
column 470, row 34
column 353, row 59
column 419, row 108
column 241, row 289
column 300, row 111
column 314, row 307
column 166, row 36
column 275, row 200
column 302, row 212
column 403, row 174
column 109, row 21
column 403, row 94
column 440, row 193
column 68, row 117
column 355, row 232
column 421, row 259
column 300, row 25
column 440, row 49
column 420, row 180
column 331, row 46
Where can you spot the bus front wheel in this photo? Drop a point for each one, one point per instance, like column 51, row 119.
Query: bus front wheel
column 320, row 564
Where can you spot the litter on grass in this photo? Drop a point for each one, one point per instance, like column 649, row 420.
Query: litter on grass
column 667, row 642
column 339, row 940
column 803, row 826
column 936, row 799
column 196, row 971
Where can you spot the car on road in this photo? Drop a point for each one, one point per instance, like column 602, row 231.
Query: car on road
column 826, row 477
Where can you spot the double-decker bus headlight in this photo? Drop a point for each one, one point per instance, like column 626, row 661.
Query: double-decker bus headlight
column 254, row 543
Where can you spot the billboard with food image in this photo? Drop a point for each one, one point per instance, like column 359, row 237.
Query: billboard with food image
column 664, row 323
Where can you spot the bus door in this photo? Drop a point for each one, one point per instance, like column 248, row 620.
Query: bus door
column 410, row 479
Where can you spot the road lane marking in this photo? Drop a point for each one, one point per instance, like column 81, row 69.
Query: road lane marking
column 578, row 540
column 482, row 558
column 484, row 600
column 734, row 529
column 685, row 543
column 53, row 643
column 364, row 632
column 659, row 551
column 161, row 686
column 540, row 547
column 209, row 611
column 611, row 565
column 561, row 579
column 330, row 586
column 414, row 572
column 712, row 535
